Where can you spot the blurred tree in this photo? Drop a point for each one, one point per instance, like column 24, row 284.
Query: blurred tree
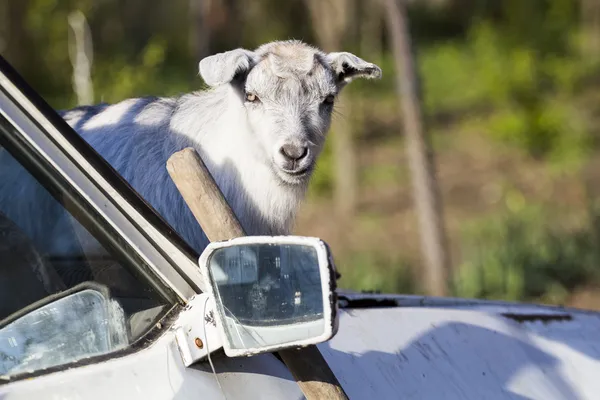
column 331, row 21
column 81, row 53
column 225, row 21
column 370, row 40
column 199, row 28
column 420, row 155
column 4, row 26
column 14, row 32
column 590, row 20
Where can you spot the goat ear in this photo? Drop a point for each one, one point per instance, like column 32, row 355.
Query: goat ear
column 347, row 67
column 222, row 68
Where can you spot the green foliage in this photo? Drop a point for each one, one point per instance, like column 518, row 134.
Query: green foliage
column 321, row 184
column 117, row 79
column 554, row 129
column 519, row 94
column 386, row 174
column 374, row 271
column 521, row 255
column 447, row 80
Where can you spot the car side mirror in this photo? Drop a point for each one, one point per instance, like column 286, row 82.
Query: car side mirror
column 271, row 293
column 77, row 323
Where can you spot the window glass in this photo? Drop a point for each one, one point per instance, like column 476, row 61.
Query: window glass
column 63, row 295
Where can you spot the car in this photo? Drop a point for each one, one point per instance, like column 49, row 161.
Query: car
column 148, row 318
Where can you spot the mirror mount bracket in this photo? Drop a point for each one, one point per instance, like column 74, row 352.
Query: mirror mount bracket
column 196, row 330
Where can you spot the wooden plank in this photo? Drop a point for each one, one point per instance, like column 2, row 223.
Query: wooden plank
column 215, row 216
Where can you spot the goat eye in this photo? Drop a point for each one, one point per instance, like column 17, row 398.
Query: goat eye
column 329, row 99
column 251, row 97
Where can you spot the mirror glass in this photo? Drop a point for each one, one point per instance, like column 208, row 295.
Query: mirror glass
column 82, row 324
column 267, row 294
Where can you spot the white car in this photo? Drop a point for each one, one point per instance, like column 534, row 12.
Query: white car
column 150, row 319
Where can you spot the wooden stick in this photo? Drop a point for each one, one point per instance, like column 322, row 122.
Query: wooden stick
column 312, row 373
column 215, row 216
column 203, row 196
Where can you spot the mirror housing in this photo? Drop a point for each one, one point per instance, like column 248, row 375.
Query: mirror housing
column 271, row 292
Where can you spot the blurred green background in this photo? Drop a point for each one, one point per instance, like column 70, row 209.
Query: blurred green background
column 511, row 97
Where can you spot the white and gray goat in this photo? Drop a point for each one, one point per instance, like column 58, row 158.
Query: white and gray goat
column 259, row 129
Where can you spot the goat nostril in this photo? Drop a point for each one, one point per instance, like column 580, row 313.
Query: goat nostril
column 292, row 152
column 303, row 152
